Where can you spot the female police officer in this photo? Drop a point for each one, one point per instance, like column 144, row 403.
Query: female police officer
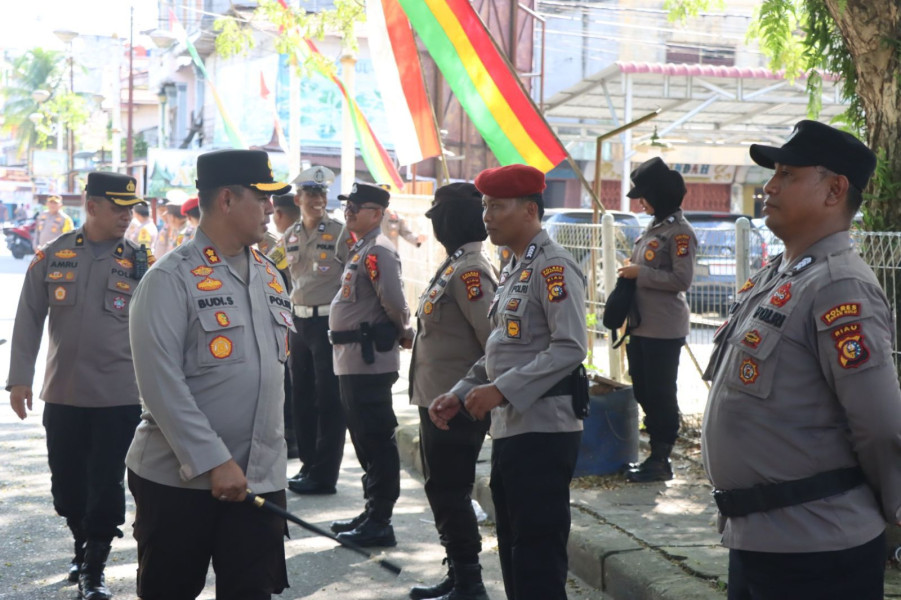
column 663, row 263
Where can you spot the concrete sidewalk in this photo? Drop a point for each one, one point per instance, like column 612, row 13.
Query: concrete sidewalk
column 634, row 541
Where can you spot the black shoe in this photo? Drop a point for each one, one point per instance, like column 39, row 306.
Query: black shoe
column 651, row 470
column 307, row 485
column 420, row 592
column 300, row 475
column 467, row 583
column 348, row 524
column 370, row 533
column 75, row 566
column 91, row 581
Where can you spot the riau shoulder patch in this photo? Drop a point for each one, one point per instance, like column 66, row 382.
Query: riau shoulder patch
column 840, row 311
column 555, row 281
column 682, row 241
column 38, row 257
column 849, row 341
column 372, row 266
column 473, row 281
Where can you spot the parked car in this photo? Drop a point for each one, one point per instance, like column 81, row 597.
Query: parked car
column 713, row 286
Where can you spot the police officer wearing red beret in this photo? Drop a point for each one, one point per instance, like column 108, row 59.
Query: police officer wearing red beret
column 524, row 380
column 84, row 281
column 802, row 430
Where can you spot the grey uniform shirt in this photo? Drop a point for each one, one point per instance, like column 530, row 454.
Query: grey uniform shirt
column 371, row 292
column 315, row 259
column 88, row 300
column 665, row 252
column 48, row 227
column 803, row 383
column 453, row 323
column 210, row 350
column 538, row 338
column 394, row 228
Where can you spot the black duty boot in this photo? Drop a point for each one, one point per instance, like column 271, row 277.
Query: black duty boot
column 467, row 583
column 91, row 581
column 343, row 525
column 75, row 566
column 656, row 467
column 420, row 592
column 371, row 532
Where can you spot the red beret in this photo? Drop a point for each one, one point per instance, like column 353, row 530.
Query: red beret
column 512, row 181
column 190, row 204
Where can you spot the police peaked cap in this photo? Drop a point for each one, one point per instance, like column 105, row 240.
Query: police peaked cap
column 250, row 168
column 120, row 189
column 315, row 178
column 366, row 192
column 813, row 144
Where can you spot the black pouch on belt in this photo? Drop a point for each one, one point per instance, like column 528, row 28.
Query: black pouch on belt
column 581, row 403
column 384, row 336
column 366, row 343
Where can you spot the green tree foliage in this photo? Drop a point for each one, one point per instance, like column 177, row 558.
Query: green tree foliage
column 39, row 69
column 289, row 26
column 858, row 41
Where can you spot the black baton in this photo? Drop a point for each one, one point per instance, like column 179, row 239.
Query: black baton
column 274, row 508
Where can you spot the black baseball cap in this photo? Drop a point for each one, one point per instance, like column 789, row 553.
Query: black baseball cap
column 250, row 168
column 813, row 144
column 366, row 192
column 118, row 188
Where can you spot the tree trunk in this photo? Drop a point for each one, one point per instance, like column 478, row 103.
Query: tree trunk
column 870, row 29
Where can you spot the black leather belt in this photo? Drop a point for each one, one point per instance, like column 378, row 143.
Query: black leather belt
column 761, row 498
column 564, row 387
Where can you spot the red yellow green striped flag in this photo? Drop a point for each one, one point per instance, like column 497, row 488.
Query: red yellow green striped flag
column 377, row 160
column 484, row 83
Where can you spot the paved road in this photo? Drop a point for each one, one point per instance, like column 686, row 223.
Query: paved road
column 35, row 547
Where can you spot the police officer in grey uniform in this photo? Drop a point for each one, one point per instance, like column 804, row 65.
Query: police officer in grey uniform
column 524, row 379
column 662, row 264
column 367, row 320
column 452, row 328
column 210, row 338
column 51, row 223
column 802, row 430
column 84, row 281
column 316, row 249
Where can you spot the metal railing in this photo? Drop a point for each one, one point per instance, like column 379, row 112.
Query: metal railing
column 727, row 256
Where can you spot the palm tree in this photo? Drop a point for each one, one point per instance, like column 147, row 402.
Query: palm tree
column 36, row 69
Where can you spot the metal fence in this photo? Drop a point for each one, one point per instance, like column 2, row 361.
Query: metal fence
column 727, row 255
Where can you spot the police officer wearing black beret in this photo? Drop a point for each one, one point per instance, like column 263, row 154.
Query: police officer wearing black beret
column 84, row 281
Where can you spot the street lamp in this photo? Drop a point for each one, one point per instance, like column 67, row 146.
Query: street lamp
column 66, row 36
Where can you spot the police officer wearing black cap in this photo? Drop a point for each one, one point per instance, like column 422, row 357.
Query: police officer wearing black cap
column 452, row 328
column 210, row 342
column 802, row 430
column 662, row 264
column 368, row 319
column 315, row 248
column 84, row 281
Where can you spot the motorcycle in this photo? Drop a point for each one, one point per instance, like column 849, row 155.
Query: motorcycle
column 19, row 236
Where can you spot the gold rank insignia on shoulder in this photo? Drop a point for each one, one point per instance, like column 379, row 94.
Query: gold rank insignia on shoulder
column 210, row 253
